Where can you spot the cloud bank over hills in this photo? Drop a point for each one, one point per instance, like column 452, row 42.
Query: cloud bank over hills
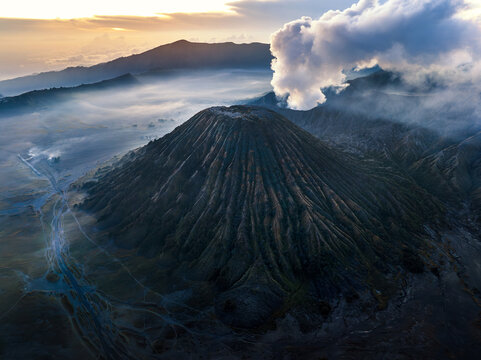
column 423, row 40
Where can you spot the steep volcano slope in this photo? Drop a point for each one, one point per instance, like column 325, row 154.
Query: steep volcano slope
column 454, row 172
column 241, row 197
column 446, row 166
column 381, row 115
column 347, row 129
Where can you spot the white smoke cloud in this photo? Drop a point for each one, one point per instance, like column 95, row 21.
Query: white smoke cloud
column 414, row 37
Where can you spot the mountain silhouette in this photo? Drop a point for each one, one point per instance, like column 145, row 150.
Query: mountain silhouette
column 181, row 54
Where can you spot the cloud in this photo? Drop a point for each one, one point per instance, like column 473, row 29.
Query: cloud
column 413, row 37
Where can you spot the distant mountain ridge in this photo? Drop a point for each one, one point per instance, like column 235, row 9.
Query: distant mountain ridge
column 181, row 54
column 38, row 99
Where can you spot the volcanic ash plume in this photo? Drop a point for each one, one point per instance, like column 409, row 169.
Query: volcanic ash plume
column 415, row 38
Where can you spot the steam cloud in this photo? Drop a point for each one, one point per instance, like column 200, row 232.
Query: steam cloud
column 414, row 37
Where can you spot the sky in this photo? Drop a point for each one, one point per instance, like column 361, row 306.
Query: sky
column 47, row 35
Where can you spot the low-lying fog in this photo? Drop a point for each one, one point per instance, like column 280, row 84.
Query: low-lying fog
column 92, row 127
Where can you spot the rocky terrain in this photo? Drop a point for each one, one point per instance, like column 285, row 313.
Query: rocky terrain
column 252, row 232
column 441, row 152
column 301, row 244
column 242, row 197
